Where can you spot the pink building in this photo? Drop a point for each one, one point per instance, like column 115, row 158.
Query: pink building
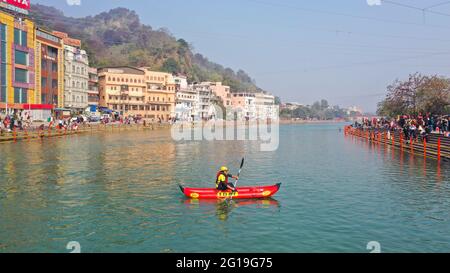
column 222, row 91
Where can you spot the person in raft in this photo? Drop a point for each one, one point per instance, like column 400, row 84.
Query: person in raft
column 222, row 180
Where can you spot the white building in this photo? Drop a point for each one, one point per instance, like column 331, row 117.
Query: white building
column 76, row 78
column 265, row 106
column 354, row 109
column 180, row 82
column 186, row 104
column 203, row 104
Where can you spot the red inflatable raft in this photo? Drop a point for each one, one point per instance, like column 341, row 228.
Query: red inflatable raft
column 241, row 193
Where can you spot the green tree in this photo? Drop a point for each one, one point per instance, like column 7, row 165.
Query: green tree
column 277, row 100
column 418, row 94
column 171, row 66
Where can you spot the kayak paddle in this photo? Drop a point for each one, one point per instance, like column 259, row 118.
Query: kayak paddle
column 239, row 173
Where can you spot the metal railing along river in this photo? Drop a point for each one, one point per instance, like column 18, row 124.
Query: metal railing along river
column 436, row 146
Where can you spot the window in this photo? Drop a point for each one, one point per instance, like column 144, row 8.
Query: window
column 73, row 68
column 44, row 65
column 43, row 98
column 3, row 70
column 54, row 67
column 20, row 37
column 73, row 85
column 54, row 83
column 78, row 70
column 52, row 52
column 20, row 95
column 43, row 82
column 3, row 94
column 21, row 57
column 21, row 75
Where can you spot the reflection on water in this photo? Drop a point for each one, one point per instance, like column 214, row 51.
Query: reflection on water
column 223, row 207
column 118, row 193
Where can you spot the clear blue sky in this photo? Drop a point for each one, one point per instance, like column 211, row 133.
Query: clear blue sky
column 345, row 51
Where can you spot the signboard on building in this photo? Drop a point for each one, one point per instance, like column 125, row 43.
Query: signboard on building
column 20, row 6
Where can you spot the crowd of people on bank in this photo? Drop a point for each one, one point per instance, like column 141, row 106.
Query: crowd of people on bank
column 22, row 120
column 19, row 120
column 411, row 126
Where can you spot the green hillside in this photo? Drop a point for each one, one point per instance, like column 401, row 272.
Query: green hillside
column 117, row 37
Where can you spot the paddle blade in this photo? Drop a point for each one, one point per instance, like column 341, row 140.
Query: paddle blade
column 242, row 163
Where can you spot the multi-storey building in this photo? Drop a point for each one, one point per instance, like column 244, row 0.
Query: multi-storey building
column 49, row 52
column 76, row 74
column 204, row 96
column 245, row 104
column 265, row 106
column 221, row 91
column 185, row 100
column 17, row 62
column 93, row 94
column 160, row 95
column 137, row 92
column 122, row 89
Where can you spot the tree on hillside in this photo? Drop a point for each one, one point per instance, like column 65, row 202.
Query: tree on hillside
column 323, row 104
column 171, row 66
column 277, row 100
column 117, row 37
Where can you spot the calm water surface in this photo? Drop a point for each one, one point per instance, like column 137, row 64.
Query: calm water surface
column 118, row 193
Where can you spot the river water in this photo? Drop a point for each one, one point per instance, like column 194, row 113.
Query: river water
column 118, row 192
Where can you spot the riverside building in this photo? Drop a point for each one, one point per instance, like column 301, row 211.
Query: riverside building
column 122, row 89
column 93, row 94
column 49, row 52
column 159, row 95
column 185, row 101
column 76, row 74
column 245, row 104
column 17, row 62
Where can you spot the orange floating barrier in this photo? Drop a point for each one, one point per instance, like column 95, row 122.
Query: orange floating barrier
column 26, row 133
column 439, row 149
column 424, row 147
